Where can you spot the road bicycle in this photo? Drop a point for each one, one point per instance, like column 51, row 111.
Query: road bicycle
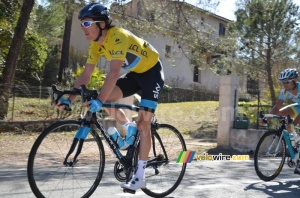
column 68, row 157
column 273, row 148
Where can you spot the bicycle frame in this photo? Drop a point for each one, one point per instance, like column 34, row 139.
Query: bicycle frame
column 277, row 147
column 284, row 134
column 289, row 145
column 90, row 118
column 163, row 176
column 124, row 160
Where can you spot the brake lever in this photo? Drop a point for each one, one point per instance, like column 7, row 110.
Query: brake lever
column 57, row 92
column 87, row 94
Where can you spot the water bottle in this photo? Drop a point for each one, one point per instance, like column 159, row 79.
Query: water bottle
column 131, row 132
column 115, row 135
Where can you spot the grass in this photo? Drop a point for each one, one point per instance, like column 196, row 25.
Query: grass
column 192, row 118
column 26, row 109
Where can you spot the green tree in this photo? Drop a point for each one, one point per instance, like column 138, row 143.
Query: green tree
column 49, row 23
column 267, row 30
column 68, row 7
column 51, row 66
column 32, row 53
column 97, row 79
column 32, row 58
column 12, row 57
column 9, row 12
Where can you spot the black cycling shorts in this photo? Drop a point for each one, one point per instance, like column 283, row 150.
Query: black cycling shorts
column 149, row 83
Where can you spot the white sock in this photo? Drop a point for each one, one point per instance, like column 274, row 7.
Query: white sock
column 140, row 173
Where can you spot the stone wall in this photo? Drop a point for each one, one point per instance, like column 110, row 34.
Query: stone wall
column 245, row 140
column 40, row 125
column 21, row 126
column 184, row 95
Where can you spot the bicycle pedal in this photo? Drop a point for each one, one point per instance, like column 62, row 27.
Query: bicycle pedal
column 126, row 190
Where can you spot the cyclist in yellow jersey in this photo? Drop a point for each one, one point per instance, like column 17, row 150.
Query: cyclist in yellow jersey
column 121, row 44
column 124, row 50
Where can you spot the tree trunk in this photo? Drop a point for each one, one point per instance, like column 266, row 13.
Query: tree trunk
column 64, row 61
column 12, row 56
column 269, row 73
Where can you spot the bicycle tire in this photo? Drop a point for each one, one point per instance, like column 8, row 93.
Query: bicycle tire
column 49, row 177
column 268, row 165
column 170, row 174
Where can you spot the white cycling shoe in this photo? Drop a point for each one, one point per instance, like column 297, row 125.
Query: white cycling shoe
column 134, row 184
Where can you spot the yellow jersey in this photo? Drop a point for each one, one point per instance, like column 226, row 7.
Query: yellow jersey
column 120, row 44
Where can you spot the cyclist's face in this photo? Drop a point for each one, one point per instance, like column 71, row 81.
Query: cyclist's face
column 288, row 84
column 90, row 29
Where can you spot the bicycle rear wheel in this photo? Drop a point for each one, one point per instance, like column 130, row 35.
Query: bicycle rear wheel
column 269, row 156
column 163, row 174
column 49, row 177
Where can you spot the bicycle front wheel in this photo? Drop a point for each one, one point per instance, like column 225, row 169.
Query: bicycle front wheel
column 47, row 174
column 163, row 174
column 269, row 156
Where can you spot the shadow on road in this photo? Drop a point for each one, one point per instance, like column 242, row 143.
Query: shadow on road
column 277, row 189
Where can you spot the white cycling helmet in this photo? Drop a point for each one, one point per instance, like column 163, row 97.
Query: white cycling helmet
column 288, row 74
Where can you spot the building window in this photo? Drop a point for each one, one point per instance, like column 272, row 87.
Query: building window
column 221, row 29
column 168, row 51
column 151, row 16
column 196, row 74
column 202, row 21
column 252, row 86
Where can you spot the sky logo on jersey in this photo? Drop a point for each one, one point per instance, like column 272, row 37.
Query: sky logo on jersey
column 185, row 156
column 156, row 91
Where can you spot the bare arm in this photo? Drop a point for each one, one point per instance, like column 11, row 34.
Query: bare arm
column 83, row 79
column 277, row 107
column 111, row 79
column 274, row 110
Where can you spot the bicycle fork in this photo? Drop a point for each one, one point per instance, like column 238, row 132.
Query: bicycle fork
column 79, row 137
